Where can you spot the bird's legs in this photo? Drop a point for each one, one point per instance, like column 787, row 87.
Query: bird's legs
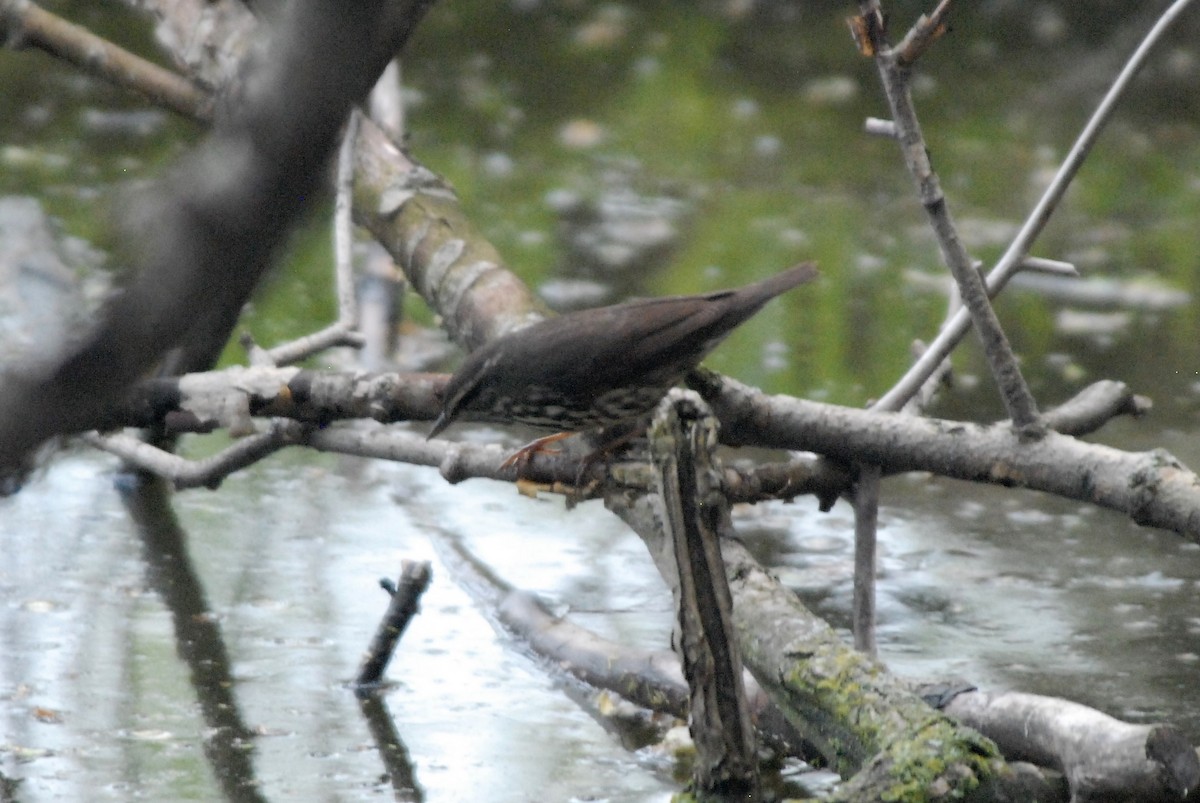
column 522, row 456
column 610, row 441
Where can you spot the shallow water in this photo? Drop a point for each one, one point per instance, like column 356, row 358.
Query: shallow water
column 288, row 578
column 1009, row 591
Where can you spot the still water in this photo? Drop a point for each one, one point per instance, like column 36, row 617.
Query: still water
column 110, row 693
column 211, row 660
column 101, row 701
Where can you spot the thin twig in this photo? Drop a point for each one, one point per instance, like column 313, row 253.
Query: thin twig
column 866, row 523
column 345, row 331
column 878, row 127
column 919, row 403
column 1053, row 267
column 343, row 224
column 927, row 30
column 24, row 23
column 336, row 334
column 1018, row 399
column 210, row 471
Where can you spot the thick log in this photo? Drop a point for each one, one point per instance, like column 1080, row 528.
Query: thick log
column 1102, row 758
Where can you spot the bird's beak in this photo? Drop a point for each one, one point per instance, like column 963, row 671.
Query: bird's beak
column 439, row 423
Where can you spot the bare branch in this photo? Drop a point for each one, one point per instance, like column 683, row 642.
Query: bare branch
column 847, row 704
column 1102, row 757
column 22, row 23
column 343, row 224
column 416, row 216
column 683, row 443
column 204, row 401
column 207, row 473
column 878, row 127
column 415, row 577
column 927, row 30
column 336, row 334
column 1053, row 267
column 652, row 679
column 1005, row 268
column 893, row 75
column 1095, row 405
column 1152, row 488
column 802, row 475
column 866, row 521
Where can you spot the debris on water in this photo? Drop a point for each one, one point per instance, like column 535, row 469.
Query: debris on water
column 1102, row 292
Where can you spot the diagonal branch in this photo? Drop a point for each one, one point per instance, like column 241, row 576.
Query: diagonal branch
column 893, row 73
column 25, row 24
column 212, row 229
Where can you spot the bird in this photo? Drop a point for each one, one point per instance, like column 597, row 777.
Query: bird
column 596, row 368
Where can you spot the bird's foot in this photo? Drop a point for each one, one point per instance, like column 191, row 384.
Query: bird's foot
column 608, row 443
column 522, row 456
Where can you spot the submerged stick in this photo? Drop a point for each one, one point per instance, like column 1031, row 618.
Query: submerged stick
column 414, row 579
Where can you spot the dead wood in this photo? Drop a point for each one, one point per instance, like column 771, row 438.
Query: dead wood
column 1103, row 758
column 856, row 714
column 683, row 439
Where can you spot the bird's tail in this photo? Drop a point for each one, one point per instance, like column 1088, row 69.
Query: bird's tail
column 766, row 289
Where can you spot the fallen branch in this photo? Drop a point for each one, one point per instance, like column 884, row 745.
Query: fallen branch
column 652, row 679
column 1152, row 488
column 1102, row 758
column 863, row 721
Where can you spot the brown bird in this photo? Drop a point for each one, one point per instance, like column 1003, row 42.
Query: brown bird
column 596, row 368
